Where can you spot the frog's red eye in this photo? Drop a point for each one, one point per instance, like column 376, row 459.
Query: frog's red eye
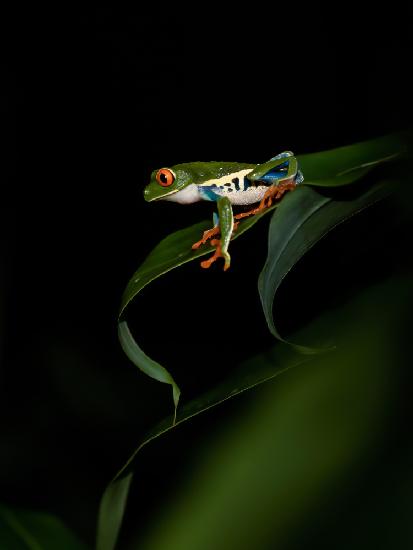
column 165, row 177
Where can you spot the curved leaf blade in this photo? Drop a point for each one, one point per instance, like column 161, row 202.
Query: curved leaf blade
column 254, row 372
column 145, row 363
column 346, row 178
column 111, row 512
column 305, row 217
column 171, row 252
column 175, row 250
column 345, row 165
column 307, row 435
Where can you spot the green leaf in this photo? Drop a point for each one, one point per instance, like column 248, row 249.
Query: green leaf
column 250, row 374
column 175, row 250
column 303, row 218
column 145, row 363
column 171, row 252
column 111, row 511
column 280, row 466
column 345, row 165
column 27, row 530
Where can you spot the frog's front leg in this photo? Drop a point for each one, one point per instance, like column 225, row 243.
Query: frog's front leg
column 208, row 234
column 226, row 226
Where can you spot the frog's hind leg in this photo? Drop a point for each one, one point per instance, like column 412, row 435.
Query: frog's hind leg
column 281, row 173
column 273, row 193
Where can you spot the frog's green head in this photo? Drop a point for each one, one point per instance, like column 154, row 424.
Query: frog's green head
column 174, row 184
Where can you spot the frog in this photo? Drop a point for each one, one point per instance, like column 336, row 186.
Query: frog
column 252, row 186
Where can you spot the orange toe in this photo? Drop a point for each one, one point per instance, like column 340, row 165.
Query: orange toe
column 205, row 237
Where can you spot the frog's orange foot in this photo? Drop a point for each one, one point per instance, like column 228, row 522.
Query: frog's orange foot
column 274, row 193
column 217, row 254
column 206, row 236
column 246, row 214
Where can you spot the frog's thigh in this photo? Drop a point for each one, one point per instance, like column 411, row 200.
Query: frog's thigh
column 263, row 169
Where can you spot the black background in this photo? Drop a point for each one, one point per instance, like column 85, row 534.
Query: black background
column 94, row 100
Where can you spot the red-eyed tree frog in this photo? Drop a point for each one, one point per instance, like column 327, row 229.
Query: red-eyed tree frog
column 227, row 184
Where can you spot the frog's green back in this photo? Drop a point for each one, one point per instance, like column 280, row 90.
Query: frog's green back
column 204, row 171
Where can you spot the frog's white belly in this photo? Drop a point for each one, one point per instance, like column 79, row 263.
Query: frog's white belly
column 188, row 195
column 249, row 196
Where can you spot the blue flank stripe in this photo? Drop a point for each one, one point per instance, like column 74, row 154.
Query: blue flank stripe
column 208, row 194
column 272, row 176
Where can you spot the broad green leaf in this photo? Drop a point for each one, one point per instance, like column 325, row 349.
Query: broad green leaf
column 293, row 452
column 303, row 218
column 250, row 374
column 172, row 252
column 340, row 180
column 175, row 250
column 27, row 530
column 345, row 165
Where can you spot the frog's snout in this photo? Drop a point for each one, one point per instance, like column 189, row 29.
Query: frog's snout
column 146, row 194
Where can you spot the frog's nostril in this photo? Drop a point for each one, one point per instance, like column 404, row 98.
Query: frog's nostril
column 147, row 194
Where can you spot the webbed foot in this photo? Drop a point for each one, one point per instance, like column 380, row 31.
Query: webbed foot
column 217, row 254
column 205, row 237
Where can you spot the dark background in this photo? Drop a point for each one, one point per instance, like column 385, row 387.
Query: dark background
column 94, row 100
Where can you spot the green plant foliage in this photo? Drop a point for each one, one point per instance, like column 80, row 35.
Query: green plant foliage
column 27, row 530
column 298, row 446
column 250, row 374
column 111, row 511
column 338, row 167
column 302, row 219
column 345, row 165
column 173, row 251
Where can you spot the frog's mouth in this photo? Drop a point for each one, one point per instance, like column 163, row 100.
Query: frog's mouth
column 187, row 195
column 150, row 196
